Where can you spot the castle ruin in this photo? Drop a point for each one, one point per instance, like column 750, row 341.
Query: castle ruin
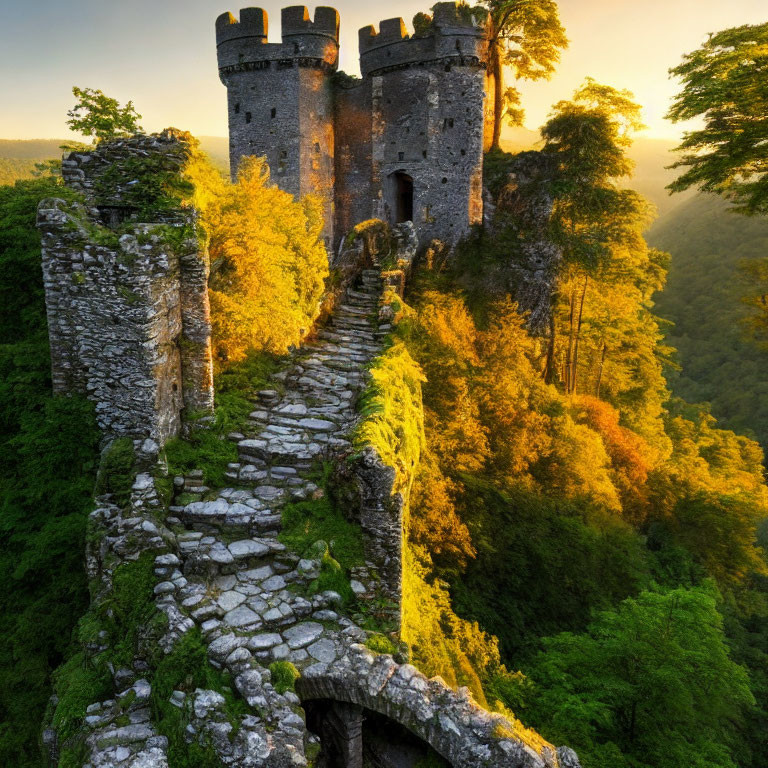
column 404, row 143
column 127, row 302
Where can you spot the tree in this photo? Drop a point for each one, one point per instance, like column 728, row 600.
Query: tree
column 527, row 36
column 102, row 117
column 594, row 222
column 650, row 683
column 724, row 83
column 268, row 261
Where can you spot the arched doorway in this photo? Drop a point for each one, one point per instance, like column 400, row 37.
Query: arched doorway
column 401, row 185
column 354, row 737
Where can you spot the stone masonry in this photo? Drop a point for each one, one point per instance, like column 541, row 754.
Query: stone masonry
column 220, row 566
column 127, row 300
column 404, row 143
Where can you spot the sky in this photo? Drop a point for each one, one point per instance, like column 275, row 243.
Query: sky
column 161, row 54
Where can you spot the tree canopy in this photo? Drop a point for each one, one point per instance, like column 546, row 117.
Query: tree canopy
column 101, row 116
column 724, row 83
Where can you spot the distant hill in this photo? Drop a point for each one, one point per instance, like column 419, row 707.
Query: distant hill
column 18, row 157
column 720, row 364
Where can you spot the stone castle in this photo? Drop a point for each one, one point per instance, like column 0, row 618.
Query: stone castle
column 404, row 143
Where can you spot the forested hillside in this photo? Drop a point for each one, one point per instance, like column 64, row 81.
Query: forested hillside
column 720, row 362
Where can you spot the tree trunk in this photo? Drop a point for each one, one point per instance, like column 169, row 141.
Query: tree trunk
column 578, row 337
column 549, row 370
column 571, row 342
column 497, row 70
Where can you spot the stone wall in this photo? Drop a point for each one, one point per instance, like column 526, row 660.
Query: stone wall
column 128, row 313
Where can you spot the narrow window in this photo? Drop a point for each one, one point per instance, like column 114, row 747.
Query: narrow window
column 237, row 109
column 424, row 154
column 401, row 155
column 274, row 113
column 248, row 117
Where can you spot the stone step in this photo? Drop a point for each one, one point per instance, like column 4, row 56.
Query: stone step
column 219, row 515
column 279, row 453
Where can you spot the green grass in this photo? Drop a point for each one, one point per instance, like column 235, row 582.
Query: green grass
column 308, row 522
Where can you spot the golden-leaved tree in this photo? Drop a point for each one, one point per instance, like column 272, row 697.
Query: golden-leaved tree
column 268, row 261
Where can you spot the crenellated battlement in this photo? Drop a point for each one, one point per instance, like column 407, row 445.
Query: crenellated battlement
column 455, row 37
column 243, row 44
column 296, row 21
column 253, row 25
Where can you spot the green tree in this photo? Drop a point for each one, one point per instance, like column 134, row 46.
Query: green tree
column 724, row 84
column 597, row 224
column 102, row 117
column 649, row 684
column 527, row 36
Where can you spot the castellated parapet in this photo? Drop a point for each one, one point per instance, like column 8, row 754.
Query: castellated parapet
column 127, row 300
column 405, row 143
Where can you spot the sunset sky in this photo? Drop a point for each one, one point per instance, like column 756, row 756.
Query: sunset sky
column 161, row 54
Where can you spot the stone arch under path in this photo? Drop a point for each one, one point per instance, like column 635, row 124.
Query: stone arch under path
column 450, row 722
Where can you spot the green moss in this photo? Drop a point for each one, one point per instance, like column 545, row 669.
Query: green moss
column 307, row 522
column 128, row 295
column 204, row 449
column 186, row 669
column 381, row 644
column 333, row 577
column 284, row 676
column 78, row 278
column 74, row 755
column 392, row 411
column 131, row 608
column 116, row 471
column 78, row 683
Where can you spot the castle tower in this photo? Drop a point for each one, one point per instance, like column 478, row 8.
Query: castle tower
column 280, row 96
column 427, row 95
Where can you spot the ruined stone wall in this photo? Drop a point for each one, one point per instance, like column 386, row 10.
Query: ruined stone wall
column 280, row 97
column 128, row 313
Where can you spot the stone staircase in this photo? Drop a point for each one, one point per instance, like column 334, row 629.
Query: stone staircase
column 232, row 577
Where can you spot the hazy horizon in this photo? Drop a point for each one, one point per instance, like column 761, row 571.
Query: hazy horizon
column 165, row 60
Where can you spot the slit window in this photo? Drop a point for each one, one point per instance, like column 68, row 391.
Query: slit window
column 274, row 113
column 237, row 109
column 248, row 117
